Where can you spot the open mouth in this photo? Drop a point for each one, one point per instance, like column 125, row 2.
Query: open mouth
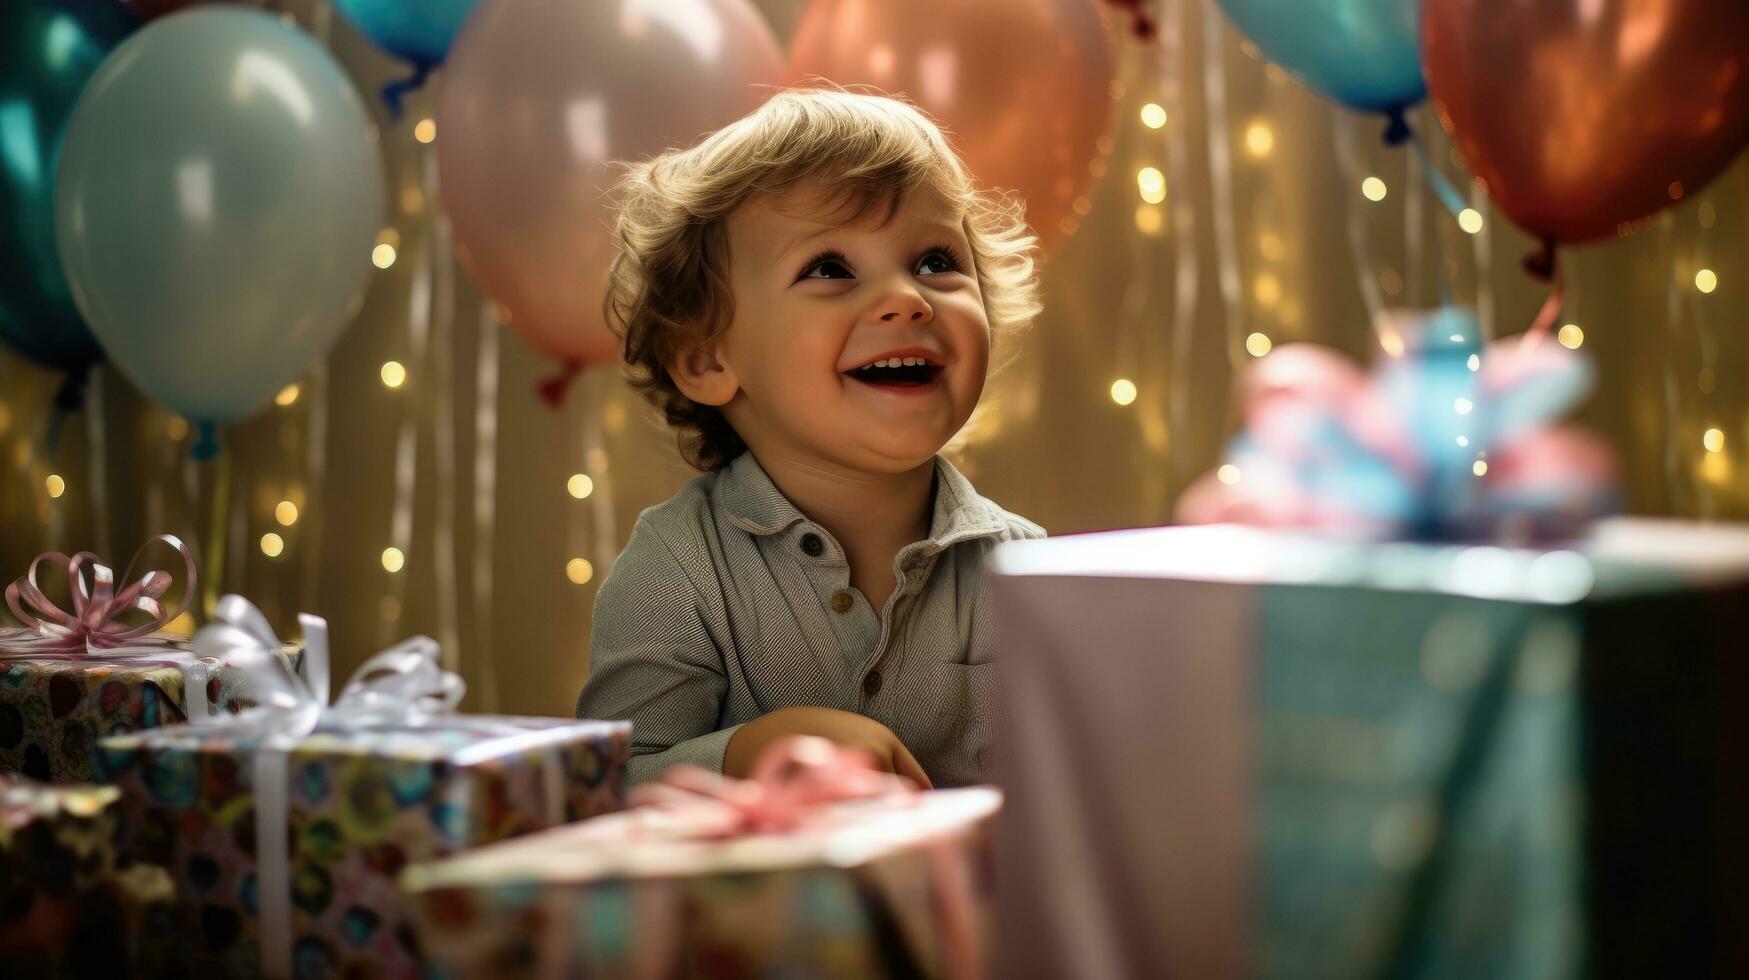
column 898, row 372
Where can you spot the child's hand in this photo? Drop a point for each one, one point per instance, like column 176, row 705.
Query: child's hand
column 848, row 729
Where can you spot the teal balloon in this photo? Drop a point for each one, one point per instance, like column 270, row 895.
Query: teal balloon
column 1363, row 53
column 420, row 31
column 219, row 195
column 49, row 49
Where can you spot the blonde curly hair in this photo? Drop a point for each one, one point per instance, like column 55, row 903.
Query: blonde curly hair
column 668, row 288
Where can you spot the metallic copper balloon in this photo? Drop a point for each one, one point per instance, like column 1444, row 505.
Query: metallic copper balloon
column 1581, row 116
column 1022, row 86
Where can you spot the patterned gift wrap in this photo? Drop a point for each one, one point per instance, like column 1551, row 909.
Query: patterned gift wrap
column 66, row 908
column 624, row 897
column 52, row 711
column 359, row 806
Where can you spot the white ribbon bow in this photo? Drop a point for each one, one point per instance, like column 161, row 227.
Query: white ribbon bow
column 403, row 685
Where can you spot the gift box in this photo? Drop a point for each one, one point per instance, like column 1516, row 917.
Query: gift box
column 69, row 677
column 67, row 906
column 284, row 826
column 1320, row 758
column 53, row 712
column 894, row 886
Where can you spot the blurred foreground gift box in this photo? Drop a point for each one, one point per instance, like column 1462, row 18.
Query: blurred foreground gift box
column 891, row 887
column 68, row 905
column 1234, row 752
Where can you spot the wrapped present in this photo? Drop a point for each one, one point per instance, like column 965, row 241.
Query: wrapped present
column 1335, row 758
column 69, row 677
column 67, row 906
column 284, row 825
column 817, row 867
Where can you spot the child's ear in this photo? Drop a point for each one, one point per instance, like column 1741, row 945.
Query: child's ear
column 702, row 376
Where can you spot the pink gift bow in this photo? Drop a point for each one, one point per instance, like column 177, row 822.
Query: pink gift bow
column 1306, row 406
column 794, row 784
column 94, row 632
column 95, row 625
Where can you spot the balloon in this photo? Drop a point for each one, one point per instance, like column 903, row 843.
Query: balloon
column 48, row 50
column 420, row 31
column 1580, row 116
column 1024, row 90
column 540, row 96
column 219, row 195
column 1362, row 53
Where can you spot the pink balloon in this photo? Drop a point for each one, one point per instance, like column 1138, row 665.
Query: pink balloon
column 1022, row 86
column 541, row 96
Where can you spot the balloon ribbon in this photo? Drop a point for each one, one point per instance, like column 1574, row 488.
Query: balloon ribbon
column 552, row 388
column 394, row 92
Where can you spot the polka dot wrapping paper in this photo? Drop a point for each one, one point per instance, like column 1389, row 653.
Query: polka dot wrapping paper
column 52, row 712
column 359, row 806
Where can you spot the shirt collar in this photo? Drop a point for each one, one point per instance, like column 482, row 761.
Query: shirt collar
column 756, row 505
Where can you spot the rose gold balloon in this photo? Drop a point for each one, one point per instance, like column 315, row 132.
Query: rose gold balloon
column 1581, row 116
column 540, row 97
column 1022, row 86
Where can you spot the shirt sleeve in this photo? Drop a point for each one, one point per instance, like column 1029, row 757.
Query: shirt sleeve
column 652, row 660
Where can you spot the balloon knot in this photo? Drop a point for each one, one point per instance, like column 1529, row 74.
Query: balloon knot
column 394, row 92
column 206, row 442
column 1397, row 131
column 552, row 389
column 70, row 396
column 1542, row 263
column 1141, row 22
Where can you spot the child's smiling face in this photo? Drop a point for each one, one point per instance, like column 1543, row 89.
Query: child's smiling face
column 862, row 345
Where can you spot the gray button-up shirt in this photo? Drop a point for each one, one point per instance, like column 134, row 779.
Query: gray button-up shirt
column 728, row 603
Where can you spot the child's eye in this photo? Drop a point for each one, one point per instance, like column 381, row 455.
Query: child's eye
column 829, row 265
column 938, row 261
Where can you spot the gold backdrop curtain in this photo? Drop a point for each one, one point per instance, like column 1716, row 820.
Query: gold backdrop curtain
column 1263, row 229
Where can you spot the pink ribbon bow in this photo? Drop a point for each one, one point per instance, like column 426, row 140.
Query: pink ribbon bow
column 95, row 624
column 792, row 781
column 793, row 785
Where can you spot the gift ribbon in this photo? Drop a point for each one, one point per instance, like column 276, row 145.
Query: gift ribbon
column 403, row 686
column 95, row 629
column 1446, row 439
column 792, row 783
column 793, row 786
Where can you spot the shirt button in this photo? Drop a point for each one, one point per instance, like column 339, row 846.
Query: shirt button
column 871, row 685
column 842, row 601
column 812, row 545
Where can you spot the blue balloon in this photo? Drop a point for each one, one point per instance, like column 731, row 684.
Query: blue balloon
column 49, row 49
column 420, row 31
column 1362, row 53
column 218, row 196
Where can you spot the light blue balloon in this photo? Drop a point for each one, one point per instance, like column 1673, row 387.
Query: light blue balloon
column 420, row 31
column 219, row 194
column 1362, row 53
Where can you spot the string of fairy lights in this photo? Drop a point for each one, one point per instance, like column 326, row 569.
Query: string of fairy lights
column 1258, row 140
column 277, row 540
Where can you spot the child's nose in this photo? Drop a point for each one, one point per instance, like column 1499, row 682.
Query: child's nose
column 906, row 307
